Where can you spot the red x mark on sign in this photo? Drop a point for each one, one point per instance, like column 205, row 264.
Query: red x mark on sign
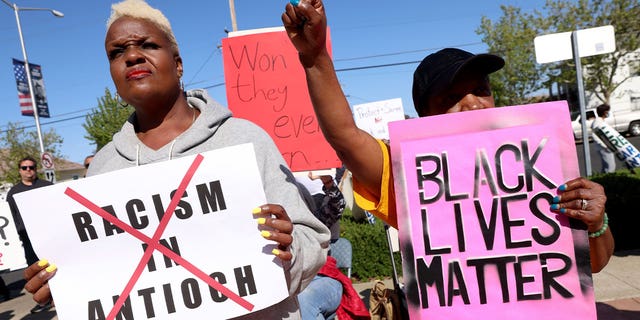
column 154, row 244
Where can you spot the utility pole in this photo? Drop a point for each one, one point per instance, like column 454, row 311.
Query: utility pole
column 582, row 103
column 232, row 8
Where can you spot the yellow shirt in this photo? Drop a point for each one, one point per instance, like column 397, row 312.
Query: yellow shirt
column 383, row 207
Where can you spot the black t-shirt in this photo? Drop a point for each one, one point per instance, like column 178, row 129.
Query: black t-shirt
column 21, row 187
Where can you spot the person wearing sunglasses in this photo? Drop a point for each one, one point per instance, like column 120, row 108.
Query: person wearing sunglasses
column 28, row 181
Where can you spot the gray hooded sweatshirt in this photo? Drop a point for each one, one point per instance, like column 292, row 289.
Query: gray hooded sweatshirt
column 215, row 128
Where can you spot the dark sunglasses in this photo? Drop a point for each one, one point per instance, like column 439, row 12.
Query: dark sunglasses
column 28, row 167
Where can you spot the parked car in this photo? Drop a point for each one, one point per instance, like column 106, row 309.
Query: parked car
column 625, row 122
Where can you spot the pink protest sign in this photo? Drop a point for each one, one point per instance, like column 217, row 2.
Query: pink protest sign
column 478, row 240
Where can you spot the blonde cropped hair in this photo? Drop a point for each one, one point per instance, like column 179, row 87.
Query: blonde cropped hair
column 139, row 9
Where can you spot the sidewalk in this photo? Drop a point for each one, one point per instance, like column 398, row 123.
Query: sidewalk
column 617, row 289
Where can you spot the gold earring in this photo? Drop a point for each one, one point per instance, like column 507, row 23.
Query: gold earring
column 120, row 101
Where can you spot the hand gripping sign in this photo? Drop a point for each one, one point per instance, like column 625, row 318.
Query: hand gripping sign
column 473, row 193
column 171, row 239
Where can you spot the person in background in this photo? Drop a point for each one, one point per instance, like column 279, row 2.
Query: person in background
column 330, row 293
column 607, row 157
column 29, row 180
column 331, row 204
column 146, row 68
column 87, row 162
column 313, row 186
column 450, row 80
column 5, row 292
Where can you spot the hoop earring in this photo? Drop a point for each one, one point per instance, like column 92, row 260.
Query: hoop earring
column 121, row 102
column 182, row 86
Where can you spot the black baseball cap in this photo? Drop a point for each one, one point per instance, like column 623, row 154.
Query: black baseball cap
column 440, row 69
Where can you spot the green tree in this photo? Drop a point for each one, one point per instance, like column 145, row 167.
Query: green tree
column 18, row 143
column 105, row 120
column 511, row 37
column 513, row 34
column 602, row 74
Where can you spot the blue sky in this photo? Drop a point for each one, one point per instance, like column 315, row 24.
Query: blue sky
column 364, row 33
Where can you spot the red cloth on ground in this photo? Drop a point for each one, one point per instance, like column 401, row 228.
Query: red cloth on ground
column 351, row 306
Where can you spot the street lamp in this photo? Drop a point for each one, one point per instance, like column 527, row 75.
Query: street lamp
column 26, row 61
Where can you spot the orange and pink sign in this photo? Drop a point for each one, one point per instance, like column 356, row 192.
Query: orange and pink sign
column 477, row 236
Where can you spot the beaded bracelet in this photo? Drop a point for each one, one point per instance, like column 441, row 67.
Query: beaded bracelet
column 602, row 230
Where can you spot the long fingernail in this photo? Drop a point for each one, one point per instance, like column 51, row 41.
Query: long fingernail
column 262, row 220
column 256, row 210
column 294, row 2
column 563, row 210
column 562, row 187
column 51, row 268
column 556, row 199
column 275, row 252
column 265, row 234
column 43, row 262
column 555, row 206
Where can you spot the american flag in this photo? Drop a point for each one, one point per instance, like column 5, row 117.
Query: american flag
column 24, row 97
column 25, row 103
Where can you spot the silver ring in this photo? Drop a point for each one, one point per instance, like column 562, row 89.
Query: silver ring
column 584, row 204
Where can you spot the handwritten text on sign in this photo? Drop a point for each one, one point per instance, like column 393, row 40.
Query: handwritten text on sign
column 210, row 237
column 266, row 84
column 373, row 117
column 475, row 223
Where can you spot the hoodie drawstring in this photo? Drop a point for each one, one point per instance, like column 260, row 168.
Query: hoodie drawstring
column 137, row 155
column 170, row 152
column 171, row 148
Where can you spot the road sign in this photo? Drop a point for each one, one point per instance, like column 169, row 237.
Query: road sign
column 50, row 175
column 557, row 46
column 47, row 161
column 577, row 44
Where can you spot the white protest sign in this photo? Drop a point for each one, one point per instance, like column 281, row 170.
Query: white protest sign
column 212, row 234
column 373, row 117
column 623, row 149
column 11, row 251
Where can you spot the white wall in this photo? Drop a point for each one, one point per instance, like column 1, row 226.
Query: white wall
column 627, row 96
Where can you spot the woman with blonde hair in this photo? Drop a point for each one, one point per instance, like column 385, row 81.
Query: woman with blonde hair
column 146, row 68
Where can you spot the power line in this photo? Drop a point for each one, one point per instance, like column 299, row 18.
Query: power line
column 59, row 115
column 386, row 65
column 222, row 84
column 215, row 85
column 45, row 123
column 345, row 69
column 72, row 112
column 202, row 67
column 406, row 52
column 378, row 56
column 378, row 66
